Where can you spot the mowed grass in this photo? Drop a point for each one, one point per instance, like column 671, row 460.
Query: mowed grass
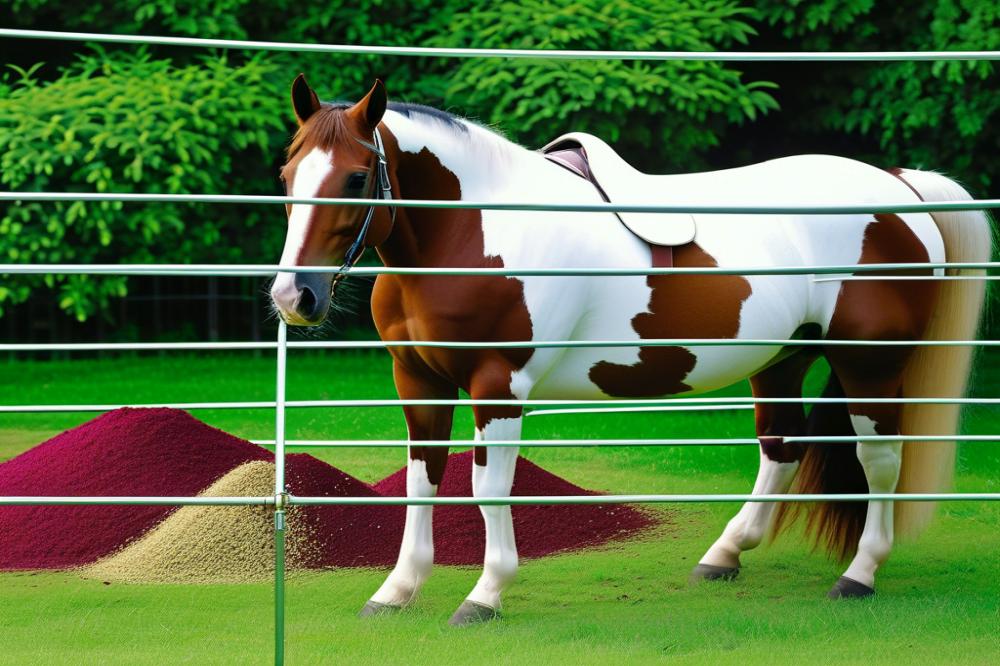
column 937, row 601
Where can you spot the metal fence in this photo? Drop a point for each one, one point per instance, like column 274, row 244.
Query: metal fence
column 281, row 499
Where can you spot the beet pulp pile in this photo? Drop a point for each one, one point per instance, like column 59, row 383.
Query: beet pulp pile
column 167, row 452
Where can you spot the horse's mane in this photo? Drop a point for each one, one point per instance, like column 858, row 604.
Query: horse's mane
column 411, row 110
column 326, row 126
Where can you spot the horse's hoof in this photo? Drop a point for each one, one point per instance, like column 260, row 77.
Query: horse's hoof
column 713, row 572
column 848, row 588
column 373, row 608
column 471, row 612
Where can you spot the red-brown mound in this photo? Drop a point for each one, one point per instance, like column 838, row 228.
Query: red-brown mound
column 125, row 452
column 167, row 452
column 459, row 536
column 344, row 536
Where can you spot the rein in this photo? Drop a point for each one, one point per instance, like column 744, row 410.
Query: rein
column 383, row 190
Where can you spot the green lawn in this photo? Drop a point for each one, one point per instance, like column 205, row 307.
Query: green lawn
column 937, row 602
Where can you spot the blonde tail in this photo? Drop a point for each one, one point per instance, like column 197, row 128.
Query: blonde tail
column 941, row 371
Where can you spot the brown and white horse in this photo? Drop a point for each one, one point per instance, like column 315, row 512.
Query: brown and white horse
column 432, row 155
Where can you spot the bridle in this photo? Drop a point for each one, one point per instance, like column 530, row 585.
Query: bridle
column 383, row 190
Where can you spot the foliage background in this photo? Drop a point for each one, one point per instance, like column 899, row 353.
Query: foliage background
column 82, row 117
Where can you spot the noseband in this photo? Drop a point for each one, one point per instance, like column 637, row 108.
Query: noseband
column 383, row 190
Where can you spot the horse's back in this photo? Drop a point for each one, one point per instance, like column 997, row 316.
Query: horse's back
column 763, row 306
column 793, row 180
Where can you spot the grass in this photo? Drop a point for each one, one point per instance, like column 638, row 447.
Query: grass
column 938, row 599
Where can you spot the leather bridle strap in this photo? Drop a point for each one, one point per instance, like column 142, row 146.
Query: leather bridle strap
column 383, row 190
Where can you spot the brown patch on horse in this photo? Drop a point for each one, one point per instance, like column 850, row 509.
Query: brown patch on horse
column 448, row 307
column 677, row 309
column 882, row 309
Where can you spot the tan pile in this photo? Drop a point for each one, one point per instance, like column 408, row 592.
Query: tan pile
column 210, row 544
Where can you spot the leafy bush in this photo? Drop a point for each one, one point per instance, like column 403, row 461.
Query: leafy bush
column 129, row 123
column 917, row 114
column 662, row 114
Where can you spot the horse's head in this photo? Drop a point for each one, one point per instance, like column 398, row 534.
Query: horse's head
column 335, row 153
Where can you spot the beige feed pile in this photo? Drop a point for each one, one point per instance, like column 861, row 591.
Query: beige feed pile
column 210, row 544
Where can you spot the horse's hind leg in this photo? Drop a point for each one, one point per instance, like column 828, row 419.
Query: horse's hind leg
column 881, row 462
column 424, row 471
column 779, row 461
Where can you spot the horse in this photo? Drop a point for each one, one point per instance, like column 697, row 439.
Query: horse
column 372, row 148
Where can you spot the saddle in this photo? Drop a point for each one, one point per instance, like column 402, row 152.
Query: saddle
column 618, row 182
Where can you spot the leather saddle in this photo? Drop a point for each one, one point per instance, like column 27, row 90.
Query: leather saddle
column 618, row 182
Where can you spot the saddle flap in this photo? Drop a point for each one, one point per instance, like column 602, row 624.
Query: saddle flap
column 620, row 183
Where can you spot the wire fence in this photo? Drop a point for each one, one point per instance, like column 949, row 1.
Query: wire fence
column 538, row 54
column 281, row 499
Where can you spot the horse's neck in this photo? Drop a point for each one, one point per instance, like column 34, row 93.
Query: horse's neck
column 437, row 161
column 482, row 161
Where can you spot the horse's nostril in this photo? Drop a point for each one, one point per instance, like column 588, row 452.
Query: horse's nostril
column 307, row 304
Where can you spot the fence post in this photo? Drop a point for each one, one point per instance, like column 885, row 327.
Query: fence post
column 280, row 498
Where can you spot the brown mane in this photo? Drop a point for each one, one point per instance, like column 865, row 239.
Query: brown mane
column 322, row 130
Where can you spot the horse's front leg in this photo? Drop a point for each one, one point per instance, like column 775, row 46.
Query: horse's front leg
column 493, row 476
column 424, row 471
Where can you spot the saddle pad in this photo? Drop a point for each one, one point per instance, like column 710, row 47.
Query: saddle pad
column 622, row 184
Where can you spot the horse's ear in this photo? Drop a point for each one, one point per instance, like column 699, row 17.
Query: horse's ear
column 304, row 99
column 374, row 104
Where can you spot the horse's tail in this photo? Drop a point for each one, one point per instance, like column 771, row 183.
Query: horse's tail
column 941, row 371
column 829, row 468
column 928, row 466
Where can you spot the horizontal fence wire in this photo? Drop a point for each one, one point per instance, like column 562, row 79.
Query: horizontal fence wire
column 596, row 405
column 638, row 499
column 575, row 443
column 465, row 344
column 905, row 278
column 266, row 270
column 537, row 206
column 293, row 500
column 538, row 54
column 18, row 500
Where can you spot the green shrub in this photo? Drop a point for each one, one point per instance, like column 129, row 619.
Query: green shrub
column 129, row 123
column 661, row 114
column 934, row 115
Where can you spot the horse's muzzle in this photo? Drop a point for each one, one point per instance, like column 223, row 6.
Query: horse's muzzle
column 302, row 299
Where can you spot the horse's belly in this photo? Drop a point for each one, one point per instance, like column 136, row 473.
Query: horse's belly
column 571, row 378
column 770, row 308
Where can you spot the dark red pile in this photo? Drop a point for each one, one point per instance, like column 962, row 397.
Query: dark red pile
column 345, row 536
column 459, row 536
column 125, row 452
column 168, row 452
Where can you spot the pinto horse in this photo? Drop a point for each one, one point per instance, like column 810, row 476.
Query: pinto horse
column 376, row 149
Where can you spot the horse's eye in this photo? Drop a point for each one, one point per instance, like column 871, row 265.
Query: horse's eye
column 356, row 181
